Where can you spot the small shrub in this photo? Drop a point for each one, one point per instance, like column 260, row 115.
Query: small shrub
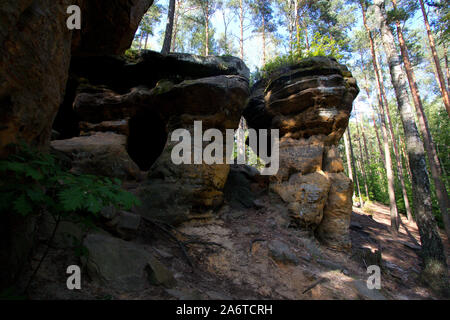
column 33, row 182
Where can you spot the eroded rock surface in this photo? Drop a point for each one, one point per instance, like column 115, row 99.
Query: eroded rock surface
column 35, row 54
column 103, row 153
column 310, row 103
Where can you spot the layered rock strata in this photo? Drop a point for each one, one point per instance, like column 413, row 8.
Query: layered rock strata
column 310, row 103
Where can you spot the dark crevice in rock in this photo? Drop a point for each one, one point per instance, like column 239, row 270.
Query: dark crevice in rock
column 147, row 138
column 66, row 122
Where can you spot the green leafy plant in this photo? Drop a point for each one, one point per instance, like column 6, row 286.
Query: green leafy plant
column 34, row 182
column 321, row 45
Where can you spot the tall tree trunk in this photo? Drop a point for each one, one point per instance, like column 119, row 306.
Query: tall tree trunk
column 366, row 151
column 175, row 26
column 383, row 111
column 443, row 87
column 264, row 39
column 207, row 29
column 435, row 264
column 169, row 28
column 380, row 147
column 225, row 31
column 297, row 22
column 146, row 41
column 366, row 89
column 361, row 201
column 140, row 40
column 405, row 155
column 393, row 139
column 433, row 159
column 241, row 24
column 447, row 71
column 347, row 156
column 362, row 162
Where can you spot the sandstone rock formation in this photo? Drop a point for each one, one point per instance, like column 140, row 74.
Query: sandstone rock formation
column 108, row 26
column 102, row 153
column 35, row 54
column 310, row 103
column 115, row 116
column 212, row 90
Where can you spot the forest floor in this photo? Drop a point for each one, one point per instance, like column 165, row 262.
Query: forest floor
column 232, row 258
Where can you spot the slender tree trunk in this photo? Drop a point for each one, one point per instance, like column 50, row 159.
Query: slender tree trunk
column 241, row 23
column 380, row 147
column 436, row 60
column 291, row 24
column 169, row 28
column 366, row 151
column 306, row 38
column 405, row 155
column 433, row 159
column 175, row 26
column 297, row 22
column 447, row 71
column 146, row 41
column 393, row 139
column 383, row 110
column 347, row 155
column 352, row 160
column 435, row 264
column 366, row 88
column 140, row 40
column 225, row 31
column 264, row 40
column 207, row 29
column 362, row 162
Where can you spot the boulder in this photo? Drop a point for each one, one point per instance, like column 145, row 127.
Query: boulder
column 280, row 252
column 103, row 153
column 122, row 265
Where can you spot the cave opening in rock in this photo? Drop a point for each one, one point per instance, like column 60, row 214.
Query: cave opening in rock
column 147, row 138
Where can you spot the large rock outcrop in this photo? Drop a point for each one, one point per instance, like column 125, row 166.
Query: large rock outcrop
column 310, row 103
column 35, row 53
column 213, row 90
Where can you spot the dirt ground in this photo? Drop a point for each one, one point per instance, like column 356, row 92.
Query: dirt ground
column 231, row 260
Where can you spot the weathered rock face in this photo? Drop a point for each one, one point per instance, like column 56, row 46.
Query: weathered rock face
column 108, row 26
column 34, row 64
column 310, row 103
column 35, row 53
column 212, row 90
column 193, row 189
column 102, row 153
